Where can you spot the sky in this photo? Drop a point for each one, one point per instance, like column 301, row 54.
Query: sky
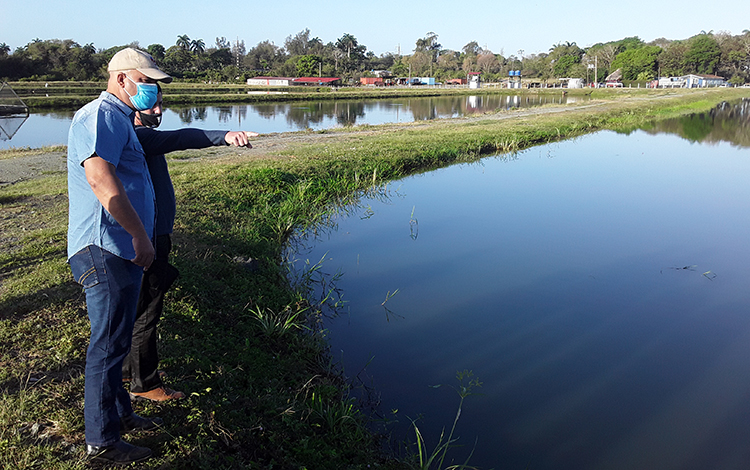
column 382, row 26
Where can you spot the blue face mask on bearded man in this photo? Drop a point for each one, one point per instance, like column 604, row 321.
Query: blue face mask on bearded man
column 145, row 97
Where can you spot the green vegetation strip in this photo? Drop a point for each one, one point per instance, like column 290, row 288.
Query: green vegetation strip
column 239, row 333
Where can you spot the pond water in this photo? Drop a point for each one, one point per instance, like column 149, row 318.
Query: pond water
column 598, row 288
column 51, row 128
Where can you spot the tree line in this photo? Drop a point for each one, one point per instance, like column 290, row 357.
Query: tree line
column 301, row 55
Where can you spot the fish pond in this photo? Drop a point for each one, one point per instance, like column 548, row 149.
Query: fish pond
column 598, row 288
column 51, row 128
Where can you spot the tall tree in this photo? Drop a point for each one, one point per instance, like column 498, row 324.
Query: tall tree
column 429, row 45
column 197, row 46
column 183, row 42
column 297, row 44
column 264, row 56
column 638, row 64
column 177, row 61
column 671, row 59
column 420, row 63
column 564, row 57
column 471, row 49
column 488, row 63
column 702, row 55
column 355, row 54
column 347, row 43
column 307, row 65
column 222, row 43
column 156, row 51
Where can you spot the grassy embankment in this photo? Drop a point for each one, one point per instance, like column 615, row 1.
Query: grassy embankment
column 262, row 390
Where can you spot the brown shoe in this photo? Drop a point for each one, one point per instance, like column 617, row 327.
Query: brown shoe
column 158, row 394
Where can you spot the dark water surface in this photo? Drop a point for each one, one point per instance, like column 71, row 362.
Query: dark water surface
column 599, row 288
column 51, row 128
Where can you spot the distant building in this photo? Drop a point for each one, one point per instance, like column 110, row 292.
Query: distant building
column 317, row 81
column 475, row 80
column 286, row 81
column 371, row 81
column 671, row 82
column 575, row 83
column 702, row 81
column 691, row 81
column 270, row 81
column 614, row 79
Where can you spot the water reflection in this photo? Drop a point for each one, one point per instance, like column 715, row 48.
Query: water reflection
column 188, row 115
column 9, row 125
column 728, row 122
column 323, row 114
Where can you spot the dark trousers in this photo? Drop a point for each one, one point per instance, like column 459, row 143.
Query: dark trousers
column 140, row 366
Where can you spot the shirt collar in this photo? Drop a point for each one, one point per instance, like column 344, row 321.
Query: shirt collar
column 117, row 102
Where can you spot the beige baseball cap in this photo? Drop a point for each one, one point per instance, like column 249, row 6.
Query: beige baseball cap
column 134, row 59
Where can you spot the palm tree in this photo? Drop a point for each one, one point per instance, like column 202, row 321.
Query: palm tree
column 347, row 42
column 198, row 46
column 4, row 49
column 430, row 46
column 183, row 42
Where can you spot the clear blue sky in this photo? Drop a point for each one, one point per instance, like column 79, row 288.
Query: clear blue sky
column 502, row 26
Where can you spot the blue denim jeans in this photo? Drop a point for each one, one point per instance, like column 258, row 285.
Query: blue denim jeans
column 112, row 285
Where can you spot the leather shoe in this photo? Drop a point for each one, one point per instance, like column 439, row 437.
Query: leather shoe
column 139, row 423
column 120, row 453
column 158, row 394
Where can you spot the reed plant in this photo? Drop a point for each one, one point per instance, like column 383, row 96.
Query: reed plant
column 435, row 459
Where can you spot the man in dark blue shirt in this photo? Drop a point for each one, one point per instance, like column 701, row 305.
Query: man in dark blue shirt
column 140, row 366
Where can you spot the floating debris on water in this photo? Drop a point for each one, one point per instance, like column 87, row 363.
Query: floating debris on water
column 710, row 275
column 681, row 268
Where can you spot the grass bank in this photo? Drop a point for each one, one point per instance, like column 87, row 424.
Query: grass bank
column 239, row 335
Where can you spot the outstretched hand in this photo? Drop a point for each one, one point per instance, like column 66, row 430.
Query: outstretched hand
column 240, row 138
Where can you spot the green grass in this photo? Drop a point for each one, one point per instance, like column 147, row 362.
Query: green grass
column 240, row 338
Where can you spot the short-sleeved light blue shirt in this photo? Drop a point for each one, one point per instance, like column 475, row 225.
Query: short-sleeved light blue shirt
column 105, row 127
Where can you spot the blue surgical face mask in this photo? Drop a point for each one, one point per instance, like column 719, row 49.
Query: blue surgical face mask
column 145, row 97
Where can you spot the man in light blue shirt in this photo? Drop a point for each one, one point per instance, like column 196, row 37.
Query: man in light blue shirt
column 110, row 233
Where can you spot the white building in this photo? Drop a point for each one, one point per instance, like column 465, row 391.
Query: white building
column 270, row 81
column 575, row 83
column 702, row 81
